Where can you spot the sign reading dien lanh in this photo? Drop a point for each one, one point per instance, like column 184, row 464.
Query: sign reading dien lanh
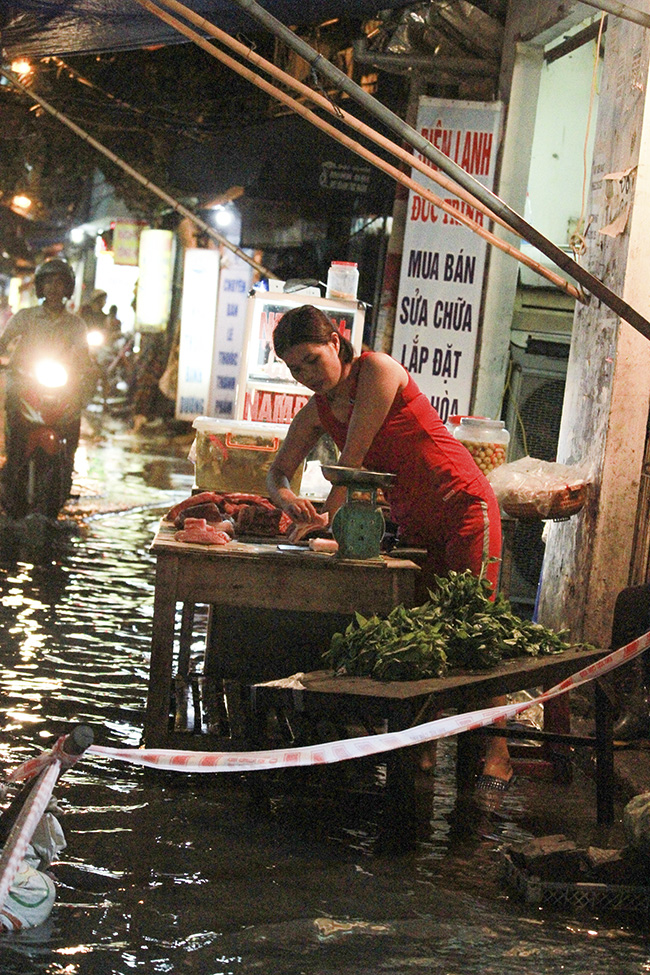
column 443, row 262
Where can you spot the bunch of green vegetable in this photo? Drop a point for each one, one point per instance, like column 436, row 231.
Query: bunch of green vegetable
column 459, row 626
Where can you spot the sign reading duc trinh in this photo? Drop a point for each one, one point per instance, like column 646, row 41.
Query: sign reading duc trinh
column 443, row 262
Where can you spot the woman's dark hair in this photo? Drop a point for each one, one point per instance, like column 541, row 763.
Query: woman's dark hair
column 308, row 324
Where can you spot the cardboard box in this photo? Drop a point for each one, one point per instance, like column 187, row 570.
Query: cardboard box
column 235, row 455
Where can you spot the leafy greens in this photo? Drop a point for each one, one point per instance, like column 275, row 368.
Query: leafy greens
column 459, row 626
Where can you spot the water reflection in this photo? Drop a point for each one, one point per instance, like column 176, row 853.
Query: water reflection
column 199, row 875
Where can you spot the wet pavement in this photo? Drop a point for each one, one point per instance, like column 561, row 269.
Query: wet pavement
column 208, row 877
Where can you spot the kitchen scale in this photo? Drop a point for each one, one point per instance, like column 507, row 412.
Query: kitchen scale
column 358, row 526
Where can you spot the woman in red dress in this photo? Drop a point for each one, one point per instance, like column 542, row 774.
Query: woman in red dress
column 379, row 420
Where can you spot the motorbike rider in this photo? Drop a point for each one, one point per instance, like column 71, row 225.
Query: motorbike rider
column 50, row 331
column 93, row 312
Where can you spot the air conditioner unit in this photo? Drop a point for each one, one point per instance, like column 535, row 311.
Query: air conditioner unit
column 533, row 415
column 535, row 396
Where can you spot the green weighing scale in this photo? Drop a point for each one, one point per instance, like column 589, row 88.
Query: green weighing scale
column 358, row 526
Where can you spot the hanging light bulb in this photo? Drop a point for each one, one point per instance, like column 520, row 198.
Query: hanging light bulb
column 21, row 202
column 21, row 67
column 223, row 217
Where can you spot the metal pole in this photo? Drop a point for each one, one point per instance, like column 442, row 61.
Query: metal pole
column 174, row 204
column 622, row 10
column 413, row 138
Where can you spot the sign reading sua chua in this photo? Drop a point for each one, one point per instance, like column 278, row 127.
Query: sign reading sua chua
column 443, row 262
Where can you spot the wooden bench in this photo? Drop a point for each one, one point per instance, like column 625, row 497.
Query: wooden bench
column 403, row 704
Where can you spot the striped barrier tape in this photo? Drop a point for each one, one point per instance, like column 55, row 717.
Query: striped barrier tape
column 23, row 829
column 34, row 766
column 349, row 748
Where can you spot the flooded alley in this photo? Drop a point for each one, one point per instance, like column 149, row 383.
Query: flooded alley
column 169, row 872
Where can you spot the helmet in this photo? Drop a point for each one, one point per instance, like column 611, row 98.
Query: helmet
column 54, row 265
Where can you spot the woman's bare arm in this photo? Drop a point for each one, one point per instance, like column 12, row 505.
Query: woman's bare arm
column 302, row 436
column 380, row 378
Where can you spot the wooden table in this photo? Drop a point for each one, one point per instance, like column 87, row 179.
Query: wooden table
column 403, row 704
column 260, row 580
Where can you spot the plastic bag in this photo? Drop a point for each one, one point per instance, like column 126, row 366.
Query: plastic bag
column 530, row 488
column 48, row 841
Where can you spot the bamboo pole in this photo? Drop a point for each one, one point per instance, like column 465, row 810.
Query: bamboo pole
column 360, row 150
column 413, row 138
column 409, row 158
column 148, row 184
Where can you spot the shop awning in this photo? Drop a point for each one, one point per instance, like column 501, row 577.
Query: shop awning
column 21, row 240
column 37, row 28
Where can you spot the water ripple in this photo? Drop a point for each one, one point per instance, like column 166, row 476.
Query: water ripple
column 215, row 878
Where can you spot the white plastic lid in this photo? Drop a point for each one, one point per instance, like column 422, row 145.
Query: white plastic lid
column 245, row 428
column 474, row 421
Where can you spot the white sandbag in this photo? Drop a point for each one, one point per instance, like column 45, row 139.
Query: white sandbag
column 30, row 899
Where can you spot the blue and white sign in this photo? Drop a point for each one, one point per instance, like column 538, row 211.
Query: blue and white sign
column 235, row 282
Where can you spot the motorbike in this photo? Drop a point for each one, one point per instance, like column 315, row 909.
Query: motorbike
column 113, row 357
column 42, row 431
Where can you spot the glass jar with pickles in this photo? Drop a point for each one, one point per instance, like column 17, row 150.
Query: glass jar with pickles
column 487, row 441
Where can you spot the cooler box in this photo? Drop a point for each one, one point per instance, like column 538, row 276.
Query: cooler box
column 235, row 455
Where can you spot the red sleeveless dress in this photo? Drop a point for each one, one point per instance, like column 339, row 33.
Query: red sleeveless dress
column 440, row 500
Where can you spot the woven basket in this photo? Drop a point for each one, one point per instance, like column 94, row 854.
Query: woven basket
column 562, row 504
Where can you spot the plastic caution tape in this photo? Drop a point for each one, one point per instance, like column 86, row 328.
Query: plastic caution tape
column 349, row 748
column 33, row 766
column 22, row 831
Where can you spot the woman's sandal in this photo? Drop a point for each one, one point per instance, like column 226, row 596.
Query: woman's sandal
column 491, row 783
column 489, row 791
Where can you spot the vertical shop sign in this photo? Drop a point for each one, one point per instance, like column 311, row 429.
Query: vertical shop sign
column 235, row 281
column 126, row 242
column 443, row 263
column 198, row 316
column 154, row 296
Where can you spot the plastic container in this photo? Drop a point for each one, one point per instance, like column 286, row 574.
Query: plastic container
column 486, row 440
column 342, row 280
column 588, row 897
column 235, row 455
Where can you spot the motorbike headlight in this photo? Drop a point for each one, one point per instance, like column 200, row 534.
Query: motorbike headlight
column 95, row 338
column 50, row 373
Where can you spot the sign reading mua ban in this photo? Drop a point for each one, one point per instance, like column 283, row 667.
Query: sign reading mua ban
column 443, row 262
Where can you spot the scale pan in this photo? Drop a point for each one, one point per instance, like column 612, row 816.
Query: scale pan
column 357, row 477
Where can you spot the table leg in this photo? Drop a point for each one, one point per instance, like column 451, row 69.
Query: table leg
column 468, row 755
column 399, row 826
column 185, row 644
column 604, row 757
column 156, row 721
column 557, row 719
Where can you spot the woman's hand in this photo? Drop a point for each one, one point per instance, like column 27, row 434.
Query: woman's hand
column 300, row 510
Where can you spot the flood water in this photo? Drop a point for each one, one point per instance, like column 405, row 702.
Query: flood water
column 208, row 878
